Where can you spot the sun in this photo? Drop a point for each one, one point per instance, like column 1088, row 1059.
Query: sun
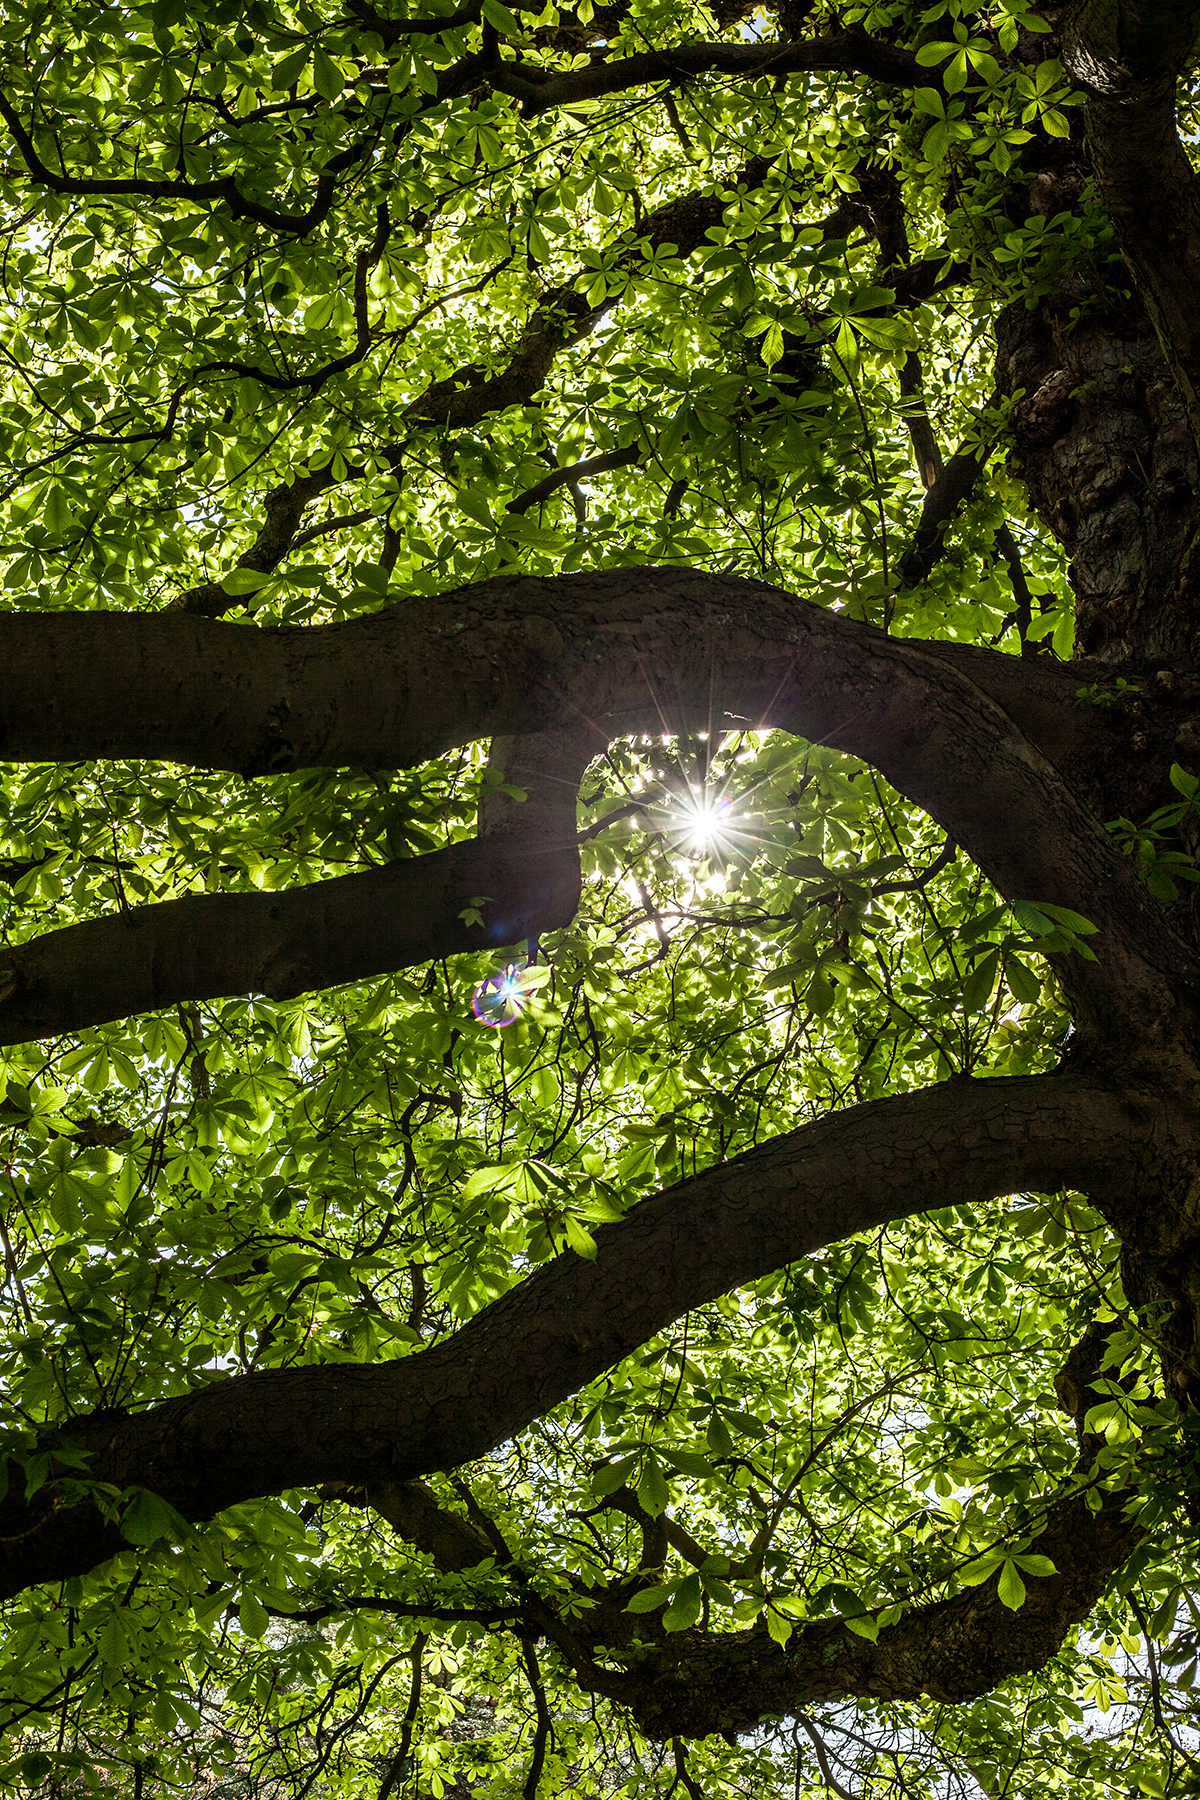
column 700, row 823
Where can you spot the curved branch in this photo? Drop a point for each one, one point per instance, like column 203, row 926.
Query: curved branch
column 965, row 1141
column 693, row 1683
column 562, row 318
column 700, row 1681
column 525, row 861
column 579, row 471
column 622, row 651
column 225, row 188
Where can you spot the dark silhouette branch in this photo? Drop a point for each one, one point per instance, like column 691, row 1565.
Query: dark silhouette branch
column 846, row 53
column 439, row 1408
column 225, row 188
column 953, row 484
column 580, row 471
column 520, row 656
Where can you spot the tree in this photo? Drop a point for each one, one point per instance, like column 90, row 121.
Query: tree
column 478, row 522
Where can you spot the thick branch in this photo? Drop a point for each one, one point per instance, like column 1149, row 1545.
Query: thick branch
column 259, row 1434
column 701, row 1681
column 693, row 1683
column 626, row 651
column 525, row 864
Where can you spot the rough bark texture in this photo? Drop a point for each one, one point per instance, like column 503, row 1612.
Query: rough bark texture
column 1126, row 56
column 1102, row 441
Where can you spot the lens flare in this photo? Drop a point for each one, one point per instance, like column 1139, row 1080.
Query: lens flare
column 704, row 820
column 698, row 823
column 502, row 998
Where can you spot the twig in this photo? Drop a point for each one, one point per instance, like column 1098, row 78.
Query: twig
column 821, row 1748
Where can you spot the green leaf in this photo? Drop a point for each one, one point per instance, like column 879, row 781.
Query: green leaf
column 977, row 988
column 929, row 55
column 253, row 1616
column 1035, row 1565
column 612, row 1476
column 1010, row 1586
column 1064, row 916
column 244, row 581
column 475, row 507
column 1025, row 986
column 930, row 102
column 649, row 1600
column 982, row 1569
column 148, row 1518
column 328, row 79
column 685, row 1608
column 652, row 1490
column 579, row 1238
column 688, row 1462
column 719, row 1440
column 505, row 22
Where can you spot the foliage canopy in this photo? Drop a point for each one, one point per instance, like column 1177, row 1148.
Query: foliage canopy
column 477, row 504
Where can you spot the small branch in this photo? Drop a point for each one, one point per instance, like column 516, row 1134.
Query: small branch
column 821, row 1748
column 397, row 1769
column 580, row 471
column 344, row 523
column 917, row 885
column 682, row 1773
column 955, row 484
column 925, row 445
column 226, row 189
column 545, row 1724
column 1022, row 616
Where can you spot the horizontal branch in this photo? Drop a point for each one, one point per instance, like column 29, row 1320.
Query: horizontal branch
column 845, row 53
column 525, row 862
column 954, row 729
column 259, row 1434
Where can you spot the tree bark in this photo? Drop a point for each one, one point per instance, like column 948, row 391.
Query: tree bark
column 621, row 652
column 962, row 1142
